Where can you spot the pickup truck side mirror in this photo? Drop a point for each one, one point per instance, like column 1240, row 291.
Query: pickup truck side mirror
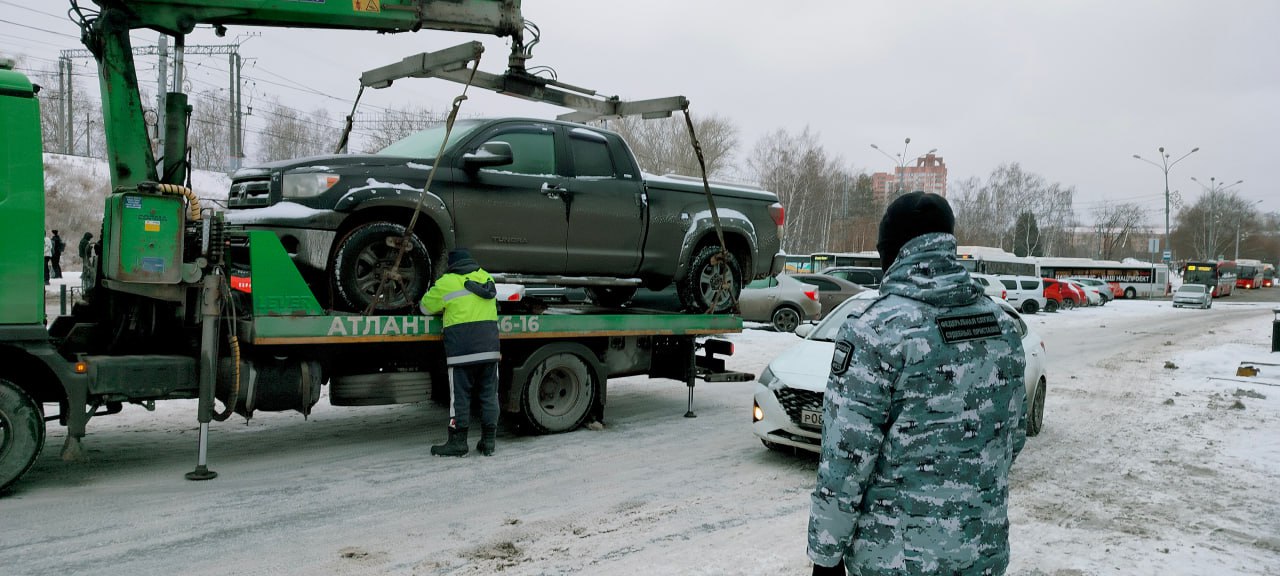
column 492, row 153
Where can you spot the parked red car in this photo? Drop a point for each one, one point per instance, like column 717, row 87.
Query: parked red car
column 1061, row 295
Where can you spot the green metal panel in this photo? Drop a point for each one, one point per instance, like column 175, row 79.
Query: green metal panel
column 346, row 329
column 274, row 281
column 145, row 232
column 21, row 203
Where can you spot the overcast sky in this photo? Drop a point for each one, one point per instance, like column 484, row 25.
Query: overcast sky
column 1071, row 90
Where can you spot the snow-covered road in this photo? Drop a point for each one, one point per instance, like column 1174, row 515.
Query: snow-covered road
column 1141, row 469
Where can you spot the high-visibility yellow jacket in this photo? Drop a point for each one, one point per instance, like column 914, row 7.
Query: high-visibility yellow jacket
column 467, row 296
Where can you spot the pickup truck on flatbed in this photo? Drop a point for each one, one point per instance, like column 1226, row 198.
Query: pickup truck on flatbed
column 563, row 202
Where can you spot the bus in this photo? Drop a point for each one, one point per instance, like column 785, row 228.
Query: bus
column 988, row 260
column 1131, row 278
column 1268, row 275
column 1248, row 273
column 1219, row 276
column 823, row 260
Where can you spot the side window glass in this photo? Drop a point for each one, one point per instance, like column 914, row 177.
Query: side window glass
column 1029, row 284
column 773, row 281
column 757, row 284
column 532, row 153
column 861, row 278
column 1009, row 284
column 591, row 157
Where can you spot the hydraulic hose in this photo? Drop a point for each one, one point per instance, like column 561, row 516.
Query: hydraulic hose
column 193, row 201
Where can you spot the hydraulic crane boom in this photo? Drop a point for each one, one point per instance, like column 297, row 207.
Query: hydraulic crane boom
column 106, row 34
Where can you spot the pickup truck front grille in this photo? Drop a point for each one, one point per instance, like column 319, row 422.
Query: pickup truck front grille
column 249, row 194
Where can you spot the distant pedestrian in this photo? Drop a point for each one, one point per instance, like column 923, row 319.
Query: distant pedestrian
column 56, row 261
column 924, row 413
column 466, row 294
column 48, row 256
column 86, row 242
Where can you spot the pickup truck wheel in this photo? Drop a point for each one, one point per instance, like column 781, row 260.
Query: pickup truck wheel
column 558, row 393
column 365, row 255
column 21, row 432
column 704, row 285
column 611, row 296
column 785, row 319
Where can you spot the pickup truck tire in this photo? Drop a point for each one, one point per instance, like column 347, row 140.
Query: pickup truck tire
column 558, row 390
column 21, row 432
column 702, row 285
column 361, row 257
column 611, row 296
column 785, row 319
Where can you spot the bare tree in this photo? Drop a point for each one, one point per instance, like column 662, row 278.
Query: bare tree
column 210, row 132
column 987, row 213
column 662, row 146
column 290, row 133
column 385, row 128
column 1209, row 228
column 1113, row 224
column 806, row 179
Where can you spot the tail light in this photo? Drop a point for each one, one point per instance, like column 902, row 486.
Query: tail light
column 778, row 213
column 812, row 294
column 1004, row 294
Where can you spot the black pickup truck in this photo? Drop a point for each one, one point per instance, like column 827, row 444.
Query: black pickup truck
column 533, row 200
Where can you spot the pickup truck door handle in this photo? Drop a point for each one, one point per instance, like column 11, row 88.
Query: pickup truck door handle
column 552, row 191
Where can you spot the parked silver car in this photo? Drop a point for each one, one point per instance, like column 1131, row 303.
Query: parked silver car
column 782, row 301
column 832, row 290
column 1197, row 295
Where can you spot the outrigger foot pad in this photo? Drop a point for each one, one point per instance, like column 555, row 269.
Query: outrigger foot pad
column 201, row 473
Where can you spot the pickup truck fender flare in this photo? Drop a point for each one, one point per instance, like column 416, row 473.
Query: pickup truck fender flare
column 401, row 197
column 702, row 227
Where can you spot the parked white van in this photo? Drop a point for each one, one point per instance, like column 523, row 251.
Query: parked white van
column 1026, row 293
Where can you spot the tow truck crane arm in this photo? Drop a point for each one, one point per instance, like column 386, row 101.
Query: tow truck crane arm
column 106, row 33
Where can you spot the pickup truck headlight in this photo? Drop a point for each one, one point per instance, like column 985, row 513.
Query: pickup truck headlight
column 306, row 185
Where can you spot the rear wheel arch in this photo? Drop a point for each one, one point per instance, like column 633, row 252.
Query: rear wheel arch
column 32, row 374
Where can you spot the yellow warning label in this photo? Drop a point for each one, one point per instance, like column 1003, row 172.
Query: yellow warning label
column 151, row 226
column 366, row 5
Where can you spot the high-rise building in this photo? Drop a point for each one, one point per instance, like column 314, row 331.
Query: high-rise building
column 928, row 175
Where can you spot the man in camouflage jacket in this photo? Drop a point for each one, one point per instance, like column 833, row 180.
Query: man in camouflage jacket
column 924, row 413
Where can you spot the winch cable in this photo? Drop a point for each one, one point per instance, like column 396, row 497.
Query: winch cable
column 394, row 270
column 351, row 119
column 726, row 282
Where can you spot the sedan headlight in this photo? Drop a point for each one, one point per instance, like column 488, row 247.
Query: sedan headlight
column 306, row 185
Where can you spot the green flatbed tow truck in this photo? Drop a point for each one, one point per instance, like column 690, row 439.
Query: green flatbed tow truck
column 180, row 305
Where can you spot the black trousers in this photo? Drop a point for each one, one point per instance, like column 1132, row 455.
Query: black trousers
column 473, row 382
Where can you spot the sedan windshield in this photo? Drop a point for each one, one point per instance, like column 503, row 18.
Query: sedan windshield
column 426, row 144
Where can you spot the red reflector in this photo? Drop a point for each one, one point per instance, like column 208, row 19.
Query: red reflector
column 514, row 297
column 812, row 294
column 242, row 283
column 778, row 213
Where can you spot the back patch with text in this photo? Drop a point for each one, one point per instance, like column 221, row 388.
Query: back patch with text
column 969, row 327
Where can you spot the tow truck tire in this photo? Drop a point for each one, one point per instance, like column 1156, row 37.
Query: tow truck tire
column 1035, row 416
column 699, row 287
column 363, row 252
column 558, row 389
column 611, row 296
column 21, row 433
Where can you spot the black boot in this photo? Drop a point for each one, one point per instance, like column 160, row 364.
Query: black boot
column 488, row 440
column 455, row 446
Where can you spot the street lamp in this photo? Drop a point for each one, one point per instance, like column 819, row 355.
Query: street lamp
column 1164, row 166
column 1214, row 189
column 901, row 160
column 1238, row 220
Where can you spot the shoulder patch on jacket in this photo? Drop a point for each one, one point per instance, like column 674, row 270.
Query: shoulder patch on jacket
column 965, row 327
column 840, row 359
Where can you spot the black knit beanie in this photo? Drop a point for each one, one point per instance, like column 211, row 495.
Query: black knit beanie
column 911, row 215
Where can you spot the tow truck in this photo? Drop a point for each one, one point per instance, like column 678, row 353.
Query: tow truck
column 180, row 305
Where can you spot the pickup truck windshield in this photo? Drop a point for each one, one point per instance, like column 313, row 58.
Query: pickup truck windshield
column 426, row 144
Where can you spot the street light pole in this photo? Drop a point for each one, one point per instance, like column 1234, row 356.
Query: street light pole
column 1164, row 166
column 901, row 161
column 1238, row 221
column 1214, row 191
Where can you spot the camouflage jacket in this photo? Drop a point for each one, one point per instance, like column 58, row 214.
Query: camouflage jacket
column 924, row 413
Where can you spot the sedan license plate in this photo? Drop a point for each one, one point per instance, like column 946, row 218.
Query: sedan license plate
column 811, row 418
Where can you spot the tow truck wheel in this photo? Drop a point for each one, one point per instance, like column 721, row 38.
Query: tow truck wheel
column 705, row 282
column 558, row 391
column 365, row 255
column 21, row 432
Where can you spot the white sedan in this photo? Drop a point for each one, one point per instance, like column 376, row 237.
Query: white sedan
column 788, row 400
